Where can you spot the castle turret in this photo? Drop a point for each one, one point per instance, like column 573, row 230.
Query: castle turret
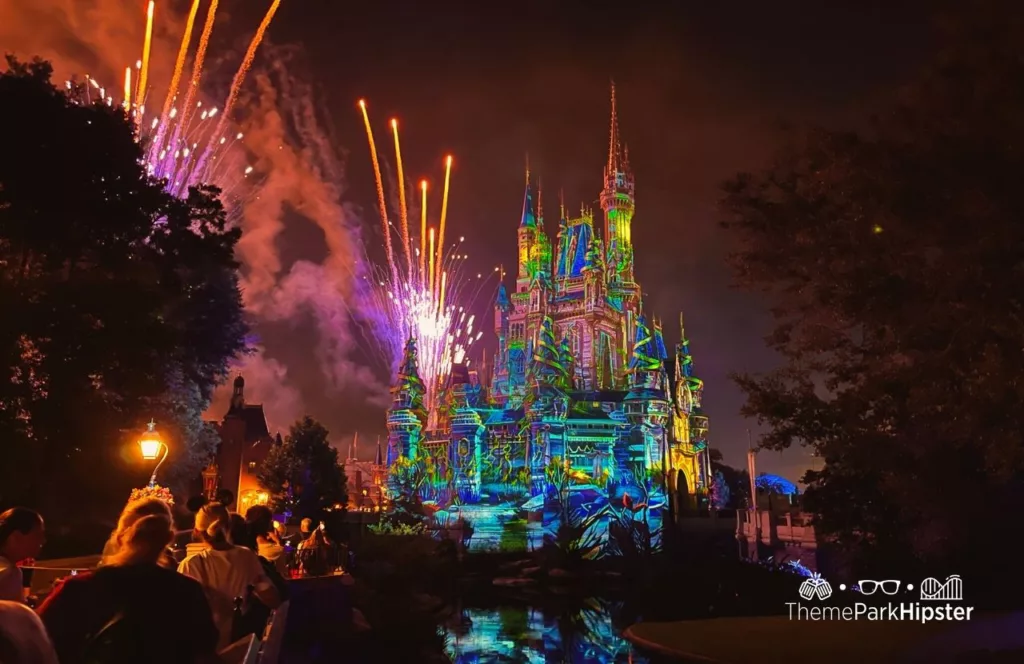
column 528, row 235
column 647, row 406
column 407, row 415
column 618, row 203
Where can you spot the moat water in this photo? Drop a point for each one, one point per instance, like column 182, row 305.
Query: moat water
column 513, row 634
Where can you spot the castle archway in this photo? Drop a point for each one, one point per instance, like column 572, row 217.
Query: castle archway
column 684, row 499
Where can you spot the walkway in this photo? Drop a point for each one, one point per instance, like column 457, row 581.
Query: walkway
column 768, row 640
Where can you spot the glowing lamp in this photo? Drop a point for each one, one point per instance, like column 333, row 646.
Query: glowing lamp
column 150, row 444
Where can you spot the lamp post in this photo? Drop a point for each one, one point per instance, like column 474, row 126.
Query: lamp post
column 151, row 446
column 754, row 516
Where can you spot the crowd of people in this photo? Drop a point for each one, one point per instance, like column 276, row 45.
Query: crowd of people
column 141, row 604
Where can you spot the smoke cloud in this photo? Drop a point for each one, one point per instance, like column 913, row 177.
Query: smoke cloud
column 297, row 179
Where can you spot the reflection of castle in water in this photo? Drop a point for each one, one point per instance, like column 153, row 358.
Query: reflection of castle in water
column 584, row 405
column 528, row 636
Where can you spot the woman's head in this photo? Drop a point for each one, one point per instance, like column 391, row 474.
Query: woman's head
column 144, row 541
column 260, row 519
column 213, row 524
column 239, row 531
column 22, row 534
column 133, row 513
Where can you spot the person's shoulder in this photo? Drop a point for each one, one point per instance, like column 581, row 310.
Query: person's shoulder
column 80, row 580
column 16, row 612
column 242, row 552
column 179, row 581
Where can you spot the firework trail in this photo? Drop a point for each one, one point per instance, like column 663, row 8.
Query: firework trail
column 187, row 144
column 429, row 297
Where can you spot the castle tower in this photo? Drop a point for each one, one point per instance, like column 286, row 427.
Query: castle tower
column 407, row 416
column 500, row 373
column 618, row 203
column 690, row 459
column 529, row 241
column 647, row 406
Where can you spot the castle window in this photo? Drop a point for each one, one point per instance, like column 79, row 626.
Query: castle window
column 252, row 466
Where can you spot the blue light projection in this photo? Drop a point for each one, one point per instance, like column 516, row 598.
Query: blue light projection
column 528, row 636
column 776, row 484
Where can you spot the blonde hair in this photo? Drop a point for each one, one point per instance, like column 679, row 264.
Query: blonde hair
column 213, row 524
column 145, row 541
column 134, row 512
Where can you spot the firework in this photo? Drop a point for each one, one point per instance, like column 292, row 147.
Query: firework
column 187, row 144
column 423, row 297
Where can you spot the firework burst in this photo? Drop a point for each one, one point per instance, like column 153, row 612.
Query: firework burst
column 186, row 143
column 424, row 290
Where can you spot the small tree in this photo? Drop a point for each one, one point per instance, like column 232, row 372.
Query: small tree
column 302, row 473
column 720, row 493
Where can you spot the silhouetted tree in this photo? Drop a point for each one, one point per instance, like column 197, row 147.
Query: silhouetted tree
column 119, row 301
column 720, row 493
column 303, row 474
column 737, row 481
column 895, row 261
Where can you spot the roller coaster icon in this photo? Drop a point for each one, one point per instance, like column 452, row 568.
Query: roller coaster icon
column 933, row 590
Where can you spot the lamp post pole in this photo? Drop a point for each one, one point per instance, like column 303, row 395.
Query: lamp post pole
column 754, row 516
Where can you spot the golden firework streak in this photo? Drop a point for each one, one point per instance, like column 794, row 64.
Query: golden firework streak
column 380, row 192
column 197, row 70
column 431, row 262
column 423, row 234
column 444, row 212
column 179, row 64
column 250, row 55
column 403, row 210
column 127, row 89
column 140, row 94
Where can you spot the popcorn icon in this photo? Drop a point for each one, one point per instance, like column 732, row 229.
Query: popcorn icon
column 815, row 586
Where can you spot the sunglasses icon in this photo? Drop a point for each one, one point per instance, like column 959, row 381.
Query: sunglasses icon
column 888, row 587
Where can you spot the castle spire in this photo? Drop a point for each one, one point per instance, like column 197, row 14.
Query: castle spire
column 540, row 204
column 645, row 354
column 528, row 220
column 378, row 460
column 613, row 141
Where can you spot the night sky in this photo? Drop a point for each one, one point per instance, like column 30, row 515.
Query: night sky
column 703, row 90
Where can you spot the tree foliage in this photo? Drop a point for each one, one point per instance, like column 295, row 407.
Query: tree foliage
column 302, row 473
column 895, row 261
column 720, row 494
column 736, row 481
column 120, row 301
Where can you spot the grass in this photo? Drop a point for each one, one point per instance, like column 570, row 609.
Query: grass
column 778, row 639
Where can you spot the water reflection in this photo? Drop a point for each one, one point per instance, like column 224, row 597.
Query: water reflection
column 526, row 635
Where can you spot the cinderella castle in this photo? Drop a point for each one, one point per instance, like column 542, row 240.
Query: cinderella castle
column 582, row 390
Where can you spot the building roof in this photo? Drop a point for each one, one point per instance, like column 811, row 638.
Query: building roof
column 254, row 419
